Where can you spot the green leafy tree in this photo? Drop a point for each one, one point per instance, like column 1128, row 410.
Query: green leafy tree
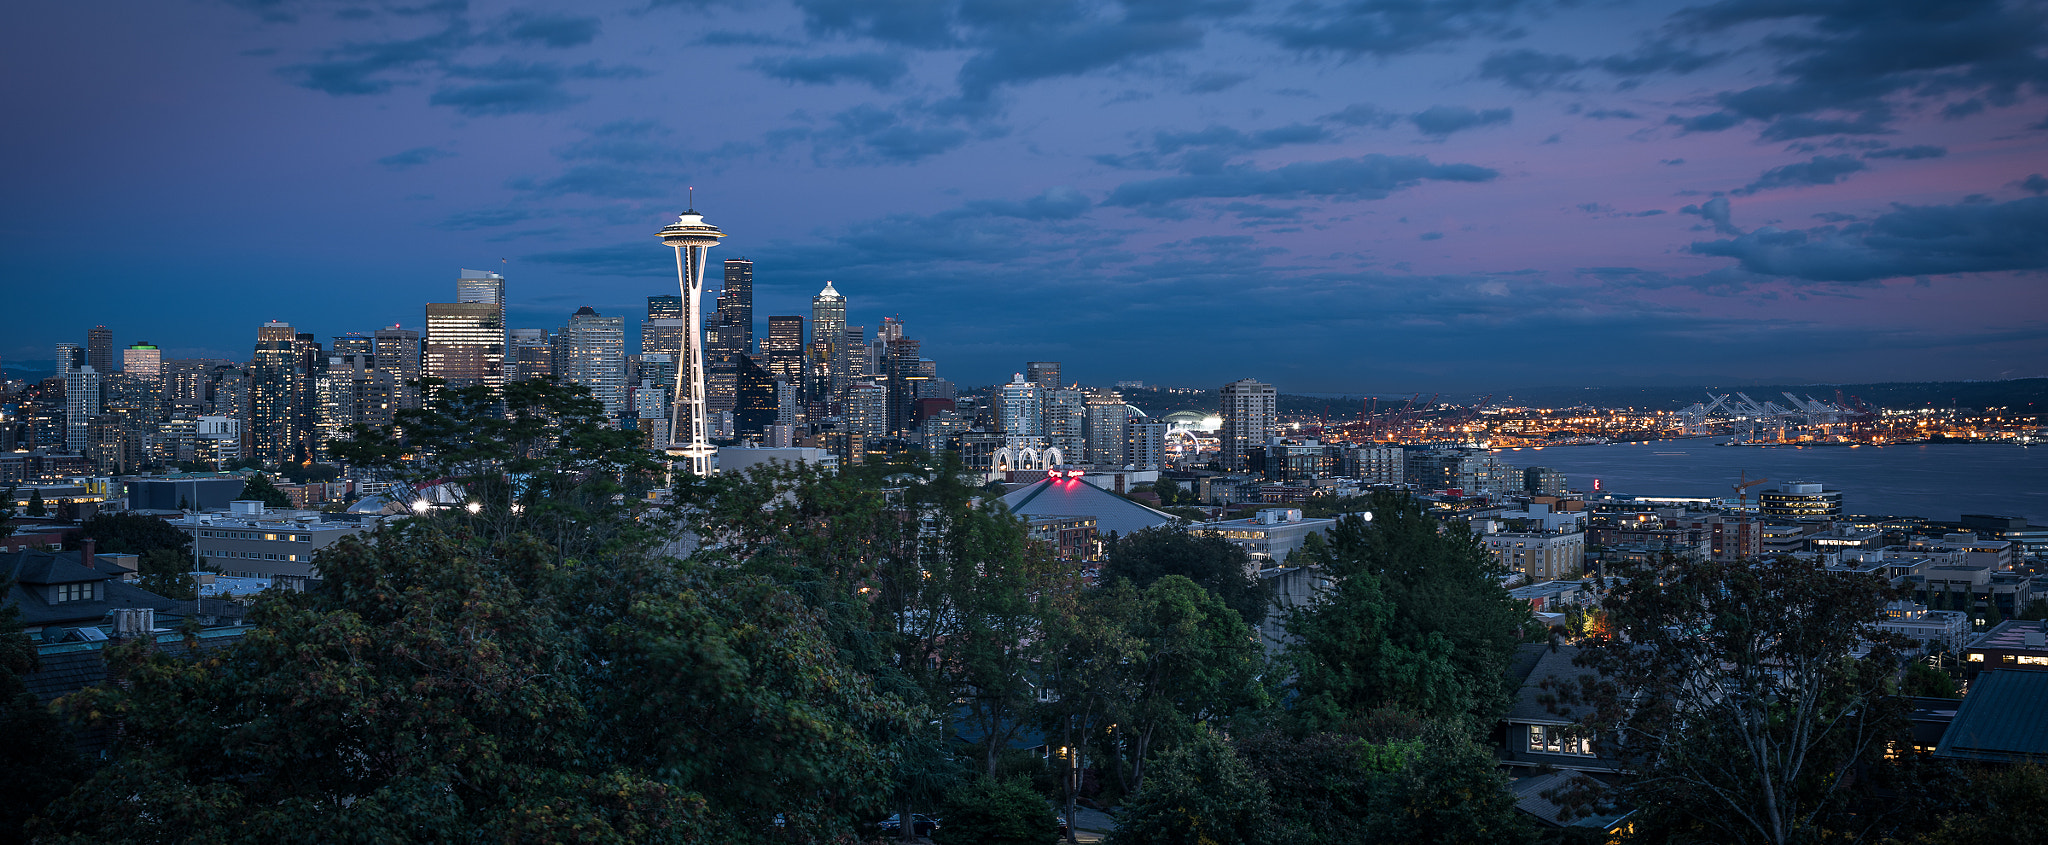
column 1201, row 792
column 259, row 488
column 1730, row 696
column 1451, row 791
column 995, row 812
column 1923, row 679
column 538, row 458
column 36, row 508
column 1168, row 490
column 1091, row 662
column 1213, row 562
column 1998, row 803
column 164, row 553
column 36, row 760
column 1415, row 619
column 1196, row 662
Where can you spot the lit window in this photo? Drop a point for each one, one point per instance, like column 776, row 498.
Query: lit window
column 1552, row 740
column 2033, row 660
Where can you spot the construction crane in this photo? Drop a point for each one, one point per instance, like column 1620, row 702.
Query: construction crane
column 1742, row 486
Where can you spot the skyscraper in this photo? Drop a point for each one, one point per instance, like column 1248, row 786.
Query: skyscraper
column 736, row 307
column 144, row 362
column 828, row 344
column 904, row 377
column 1020, row 412
column 276, row 394
column 1045, row 374
column 99, row 349
column 689, row 422
column 69, row 357
column 481, row 286
column 594, row 355
column 1066, row 422
column 1250, row 412
column 755, row 407
column 465, row 344
column 394, row 385
column 81, row 405
column 1108, row 417
column 528, row 354
column 785, row 350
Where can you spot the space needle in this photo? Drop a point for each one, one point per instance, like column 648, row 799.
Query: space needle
column 687, row 438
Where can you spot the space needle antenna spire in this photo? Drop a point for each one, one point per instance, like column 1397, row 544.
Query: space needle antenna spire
column 689, row 443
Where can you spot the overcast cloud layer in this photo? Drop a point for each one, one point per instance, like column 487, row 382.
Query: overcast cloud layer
column 1334, row 195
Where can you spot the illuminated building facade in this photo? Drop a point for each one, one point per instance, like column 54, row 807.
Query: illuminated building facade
column 465, row 344
column 1801, row 500
column 276, row 394
column 1250, row 414
column 594, row 356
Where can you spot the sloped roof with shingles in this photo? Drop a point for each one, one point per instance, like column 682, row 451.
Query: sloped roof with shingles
column 34, row 571
column 1072, row 497
column 1533, row 702
column 2004, row 718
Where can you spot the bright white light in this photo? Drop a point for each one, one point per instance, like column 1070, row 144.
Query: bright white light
column 475, row 507
column 1368, row 516
column 420, row 506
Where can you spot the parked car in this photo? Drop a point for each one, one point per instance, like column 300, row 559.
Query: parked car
column 920, row 824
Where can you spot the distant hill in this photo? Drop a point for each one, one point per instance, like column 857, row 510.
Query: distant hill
column 2012, row 393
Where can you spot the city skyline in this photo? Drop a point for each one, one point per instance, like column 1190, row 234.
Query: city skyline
column 1344, row 200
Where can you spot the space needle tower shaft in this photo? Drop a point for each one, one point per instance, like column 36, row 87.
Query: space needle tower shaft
column 688, row 440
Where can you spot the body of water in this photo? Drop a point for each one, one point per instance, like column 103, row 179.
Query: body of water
column 1936, row 480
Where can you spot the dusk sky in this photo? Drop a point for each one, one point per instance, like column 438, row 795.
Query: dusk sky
column 1328, row 195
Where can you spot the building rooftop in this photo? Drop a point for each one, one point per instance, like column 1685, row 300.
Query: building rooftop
column 1074, row 497
column 2003, row 719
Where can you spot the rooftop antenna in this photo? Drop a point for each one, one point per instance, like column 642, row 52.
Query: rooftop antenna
column 693, row 197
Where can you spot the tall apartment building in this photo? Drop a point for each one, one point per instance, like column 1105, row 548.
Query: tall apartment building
column 397, row 363
column 1066, row 421
column 1145, row 443
column 276, row 394
column 70, row 356
column 867, row 409
column 81, row 404
column 1250, row 415
column 594, row 355
column 1108, row 418
column 1020, row 412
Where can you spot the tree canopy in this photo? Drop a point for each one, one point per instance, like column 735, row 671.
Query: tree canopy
column 1740, row 696
column 1415, row 618
column 1212, row 562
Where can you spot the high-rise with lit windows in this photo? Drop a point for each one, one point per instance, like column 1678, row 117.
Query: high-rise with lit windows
column 1250, row 414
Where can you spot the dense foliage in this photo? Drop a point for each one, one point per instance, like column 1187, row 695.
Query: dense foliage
column 547, row 652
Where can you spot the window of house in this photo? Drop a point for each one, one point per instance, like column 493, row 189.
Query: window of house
column 1551, row 740
column 76, row 592
column 1976, row 657
column 2033, row 660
